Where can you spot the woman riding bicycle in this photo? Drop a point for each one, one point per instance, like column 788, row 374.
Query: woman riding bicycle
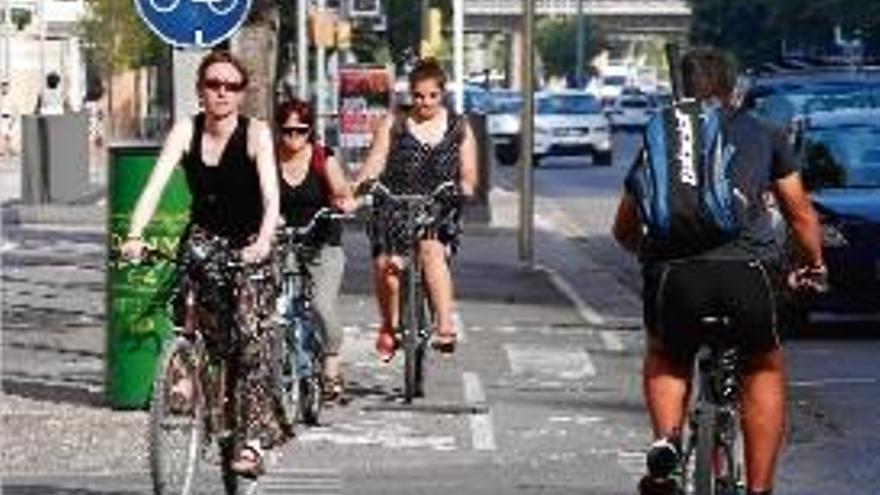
column 413, row 153
column 229, row 164
column 311, row 179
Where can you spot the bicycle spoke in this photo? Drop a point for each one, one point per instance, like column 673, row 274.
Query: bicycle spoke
column 176, row 421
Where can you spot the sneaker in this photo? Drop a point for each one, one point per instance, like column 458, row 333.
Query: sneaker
column 662, row 458
column 664, row 472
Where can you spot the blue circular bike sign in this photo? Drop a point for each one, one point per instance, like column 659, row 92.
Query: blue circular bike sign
column 193, row 23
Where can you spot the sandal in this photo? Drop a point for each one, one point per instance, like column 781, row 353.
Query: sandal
column 249, row 463
column 386, row 345
column 180, row 397
column 444, row 342
column 334, row 389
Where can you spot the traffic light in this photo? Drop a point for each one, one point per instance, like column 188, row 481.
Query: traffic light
column 323, row 27
column 343, row 35
column 433, row 38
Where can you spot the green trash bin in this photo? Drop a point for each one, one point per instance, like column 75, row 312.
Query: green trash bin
column 138, row 319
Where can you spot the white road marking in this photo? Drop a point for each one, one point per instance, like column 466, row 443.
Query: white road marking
column 631, row 462
column 288, row 480
column 611, row 340
column 586, row 312
column 556, row 361
column 392, row 434
column 482, row 431
column 834, row 381
column 458, row 325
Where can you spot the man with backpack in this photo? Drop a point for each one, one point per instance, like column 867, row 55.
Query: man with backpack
column 696, row 209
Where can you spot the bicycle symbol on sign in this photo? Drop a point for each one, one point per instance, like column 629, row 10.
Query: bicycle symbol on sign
column 218, row 7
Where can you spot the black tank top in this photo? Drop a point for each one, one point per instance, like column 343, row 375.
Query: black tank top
column 227, row 199
column 300, row 203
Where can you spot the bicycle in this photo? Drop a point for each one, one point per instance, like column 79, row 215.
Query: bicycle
column 714, row 417
column 195, row 390
column 303, row 357
column 420, row 213
column 165, row 6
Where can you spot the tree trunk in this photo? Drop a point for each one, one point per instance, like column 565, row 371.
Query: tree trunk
column 256, row 44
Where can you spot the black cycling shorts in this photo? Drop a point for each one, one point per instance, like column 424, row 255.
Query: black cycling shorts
column 679, row 294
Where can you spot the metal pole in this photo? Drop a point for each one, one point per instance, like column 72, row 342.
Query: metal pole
column 526, row 172
column 7, row 41
column 321, row 82
column 7, row 84
column 302, row 47
column 581, row 40
column 42, row 8
column 458, row 55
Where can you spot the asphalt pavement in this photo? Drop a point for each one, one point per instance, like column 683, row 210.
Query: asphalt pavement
column 542, row 385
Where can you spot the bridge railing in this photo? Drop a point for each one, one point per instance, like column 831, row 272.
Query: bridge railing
column 591, row 7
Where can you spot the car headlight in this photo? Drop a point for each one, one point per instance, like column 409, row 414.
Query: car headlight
column 832, row 236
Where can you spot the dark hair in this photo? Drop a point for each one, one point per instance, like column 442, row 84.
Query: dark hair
column 295, row 106
column 221, row 57
column 708, row 72
column 425, row 69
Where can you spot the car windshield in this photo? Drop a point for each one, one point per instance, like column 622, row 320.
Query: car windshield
column 614, row 80
column 506, row 105
column 845, row 155
column 568, row 104
column 634, row 103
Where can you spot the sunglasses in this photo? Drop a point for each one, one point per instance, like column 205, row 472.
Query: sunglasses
column 216, row 84
column 301, row 130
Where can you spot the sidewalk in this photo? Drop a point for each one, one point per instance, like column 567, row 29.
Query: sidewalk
column 53, row 415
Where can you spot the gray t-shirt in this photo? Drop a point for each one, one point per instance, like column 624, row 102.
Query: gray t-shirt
column 762, row 156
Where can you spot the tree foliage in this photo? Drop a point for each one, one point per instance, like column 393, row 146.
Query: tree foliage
column 755, row 30
column 556, row 41
column 116, row 36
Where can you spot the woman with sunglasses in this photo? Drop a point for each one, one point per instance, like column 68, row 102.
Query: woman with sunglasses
column 311, row 179
column 413, row 153
column 229, row 164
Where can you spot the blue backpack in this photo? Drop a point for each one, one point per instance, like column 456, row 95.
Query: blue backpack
column 682, row 183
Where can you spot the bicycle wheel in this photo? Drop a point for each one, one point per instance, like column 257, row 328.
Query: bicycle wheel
column 176, row 419
column 704, row 463
column 311, row 389
column 423, row 337
column 409, row 324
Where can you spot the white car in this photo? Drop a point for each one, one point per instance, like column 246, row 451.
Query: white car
column 571, row 123
column 503, row 123
column 631, row 112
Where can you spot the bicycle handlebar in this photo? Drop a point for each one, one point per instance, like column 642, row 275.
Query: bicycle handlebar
column 382, row 189
column 809, row 279
column 325, row 213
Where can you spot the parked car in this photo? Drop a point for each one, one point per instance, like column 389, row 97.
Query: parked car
column 571, row 123
column 566, row 123
column 631, row 112
column 841, row 156
column 504, row 119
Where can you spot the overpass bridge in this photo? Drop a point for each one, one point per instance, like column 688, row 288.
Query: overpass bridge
column 625, row 22
column 621, row 18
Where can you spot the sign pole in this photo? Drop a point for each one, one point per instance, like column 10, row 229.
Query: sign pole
column 321, row 83
column 526, row 171
column 302, row 49
column 458, row 42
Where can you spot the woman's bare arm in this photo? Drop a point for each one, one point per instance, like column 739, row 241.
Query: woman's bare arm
column 469, row 172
